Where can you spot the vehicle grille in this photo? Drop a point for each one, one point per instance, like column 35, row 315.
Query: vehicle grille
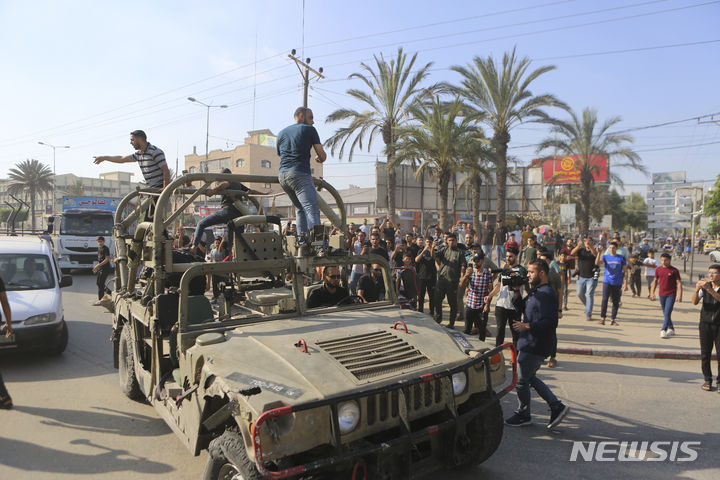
column 374, row 354
column 82, row 249
column 420, row 397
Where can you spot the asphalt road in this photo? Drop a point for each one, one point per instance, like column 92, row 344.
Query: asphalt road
column 71, row 420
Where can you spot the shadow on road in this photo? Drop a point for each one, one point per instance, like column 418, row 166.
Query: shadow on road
column 35, row 458
column 103, row 420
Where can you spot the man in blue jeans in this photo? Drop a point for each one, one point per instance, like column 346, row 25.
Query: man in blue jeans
column 614, row 278
column 537, row 337
column 294, row 145
column 668, row 278
column 585, row 253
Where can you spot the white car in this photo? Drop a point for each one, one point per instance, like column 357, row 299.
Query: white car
column 29, row 269
column 715, row 256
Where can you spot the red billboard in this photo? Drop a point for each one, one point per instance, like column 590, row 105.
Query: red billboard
column 563, row 170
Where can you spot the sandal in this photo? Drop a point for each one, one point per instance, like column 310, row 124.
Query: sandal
column 614, row 323
column 707, row 386
column 602, row 322
column 6, row 403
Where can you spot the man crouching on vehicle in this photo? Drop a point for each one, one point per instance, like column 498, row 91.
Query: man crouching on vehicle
column 536, row 340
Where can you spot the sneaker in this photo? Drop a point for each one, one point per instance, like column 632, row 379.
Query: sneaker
column 669, row 333
column 556, row 415
column 588, row 318
column 518, row 420
column 98, row 303
column 552, row 363
column 663, row 334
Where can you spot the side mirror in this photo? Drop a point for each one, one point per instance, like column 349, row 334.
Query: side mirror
column 65, row 281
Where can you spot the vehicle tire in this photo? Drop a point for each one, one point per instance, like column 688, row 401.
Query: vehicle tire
column 126, row 367
column 484, row 434
column 227, row 459
column 61, row 343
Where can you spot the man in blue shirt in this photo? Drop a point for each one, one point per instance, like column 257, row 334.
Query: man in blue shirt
column 613, row 279
column 294, row 145
column 536, row 340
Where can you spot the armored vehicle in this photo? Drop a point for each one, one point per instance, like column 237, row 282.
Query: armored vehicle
column 273, row 389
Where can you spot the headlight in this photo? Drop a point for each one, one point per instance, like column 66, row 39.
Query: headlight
column 43, row 318
column 459, row 381
column 348, row 416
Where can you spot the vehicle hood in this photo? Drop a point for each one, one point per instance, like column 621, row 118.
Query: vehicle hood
column 26, row 303
column 265, row 354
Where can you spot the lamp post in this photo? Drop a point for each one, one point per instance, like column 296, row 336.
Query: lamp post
column 207, row 131
column 54, row 147
column 207, row 126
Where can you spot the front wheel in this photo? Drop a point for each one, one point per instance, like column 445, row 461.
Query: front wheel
column 59, row 346
column 126, row 367
column 228, row 460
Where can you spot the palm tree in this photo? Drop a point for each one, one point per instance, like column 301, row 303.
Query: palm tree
column 77, row 189
column 475, row 160
column 504, row 98
column 436, row 136
column 589, row 141
column 31, row 178
column 393, row 88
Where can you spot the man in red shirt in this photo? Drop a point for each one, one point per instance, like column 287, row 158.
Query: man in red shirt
column 668, row 277
column 512, row 242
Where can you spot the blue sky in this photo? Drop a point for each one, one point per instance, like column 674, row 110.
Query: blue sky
column 86, row 73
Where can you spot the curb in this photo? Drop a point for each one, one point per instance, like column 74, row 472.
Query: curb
column 627, row 353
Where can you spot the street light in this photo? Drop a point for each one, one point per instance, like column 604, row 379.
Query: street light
column 54, row 173
column 207, row 128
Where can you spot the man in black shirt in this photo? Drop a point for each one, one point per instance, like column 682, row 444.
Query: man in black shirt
column 7, row 330
column 426, row 273
column 707, row 291
column 501, row 233
column 487, row 235
column 102, row 269
column 585, row 253
column 331, row 291
column 226, row 214
column 371, row 287
column 375, row 246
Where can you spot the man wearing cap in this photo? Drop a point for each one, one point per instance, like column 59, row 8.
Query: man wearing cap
column 477, row 280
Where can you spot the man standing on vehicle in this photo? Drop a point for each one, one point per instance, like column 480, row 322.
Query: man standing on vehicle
column 102, row 269
column 331, row 291
column 537, row 335
column 7, row 330
column 450, row 262
column 294, row 144
column 709, row 292
column 152, row 164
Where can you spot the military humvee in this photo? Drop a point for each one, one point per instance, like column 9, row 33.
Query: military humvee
column 273, row 389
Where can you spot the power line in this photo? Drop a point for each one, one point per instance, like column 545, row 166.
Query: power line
column 547, row 30
column 446, row 22
column 628, row 50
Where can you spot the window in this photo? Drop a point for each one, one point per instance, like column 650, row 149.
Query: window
column 239, row 163
column 266, row 164
column 192, row 169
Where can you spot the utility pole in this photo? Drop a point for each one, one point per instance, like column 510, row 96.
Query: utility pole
column 305, row 71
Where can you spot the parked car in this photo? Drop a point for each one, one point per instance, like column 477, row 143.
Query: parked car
column 710, row 246
column 715, row 256
column 33, row 280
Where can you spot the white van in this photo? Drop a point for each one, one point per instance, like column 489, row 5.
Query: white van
column 29, row 269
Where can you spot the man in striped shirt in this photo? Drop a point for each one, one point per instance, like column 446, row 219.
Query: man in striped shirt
column 150, row 158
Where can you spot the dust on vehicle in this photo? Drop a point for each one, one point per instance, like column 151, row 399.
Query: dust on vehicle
column 273, row 389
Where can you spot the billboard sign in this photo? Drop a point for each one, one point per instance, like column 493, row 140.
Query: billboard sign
column 668, row 177
column 566, row 170
column 95, row 203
